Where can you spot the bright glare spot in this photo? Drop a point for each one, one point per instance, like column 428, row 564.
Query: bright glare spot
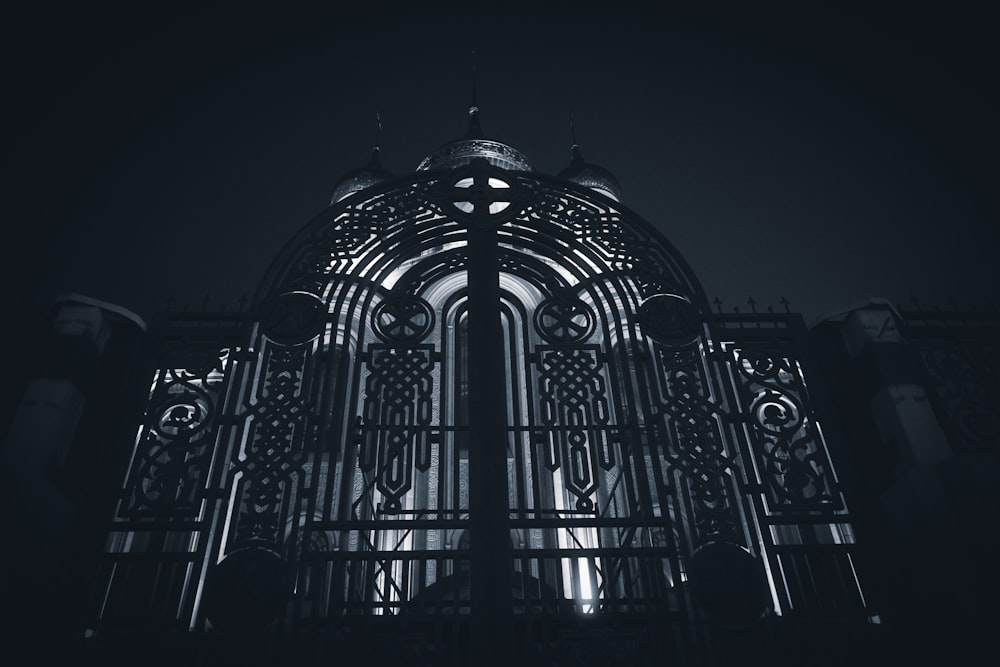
column 585, row 591
column 496, row 183
column 498, row 206
column 465, row 183
column 606, row 193
column 464, row 206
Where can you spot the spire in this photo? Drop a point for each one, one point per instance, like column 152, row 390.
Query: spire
column 475, row 130
column 475, row 144
column 366, row 176
column 575, row 156
column 584, row 173
column 375, row 162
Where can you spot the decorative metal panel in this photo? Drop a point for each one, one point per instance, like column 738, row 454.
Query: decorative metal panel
column 652, row 476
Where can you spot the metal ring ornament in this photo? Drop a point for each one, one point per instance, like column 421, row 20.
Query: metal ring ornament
column 293, row 318
column 670, row 319
column 562, row 320
column 403, row 319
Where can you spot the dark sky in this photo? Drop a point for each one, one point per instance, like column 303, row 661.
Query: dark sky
column 826, row 155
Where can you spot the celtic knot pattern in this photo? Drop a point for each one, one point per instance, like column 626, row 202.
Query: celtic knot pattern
column 175, row 445
column 274, row 453
column 395, row 430
column 696, row 449
column 788, row 447
column 348, row 232
column 403, row 213
column 604, row 232
column 575, row 414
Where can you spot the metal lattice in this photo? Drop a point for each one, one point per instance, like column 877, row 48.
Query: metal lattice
column 493, row 401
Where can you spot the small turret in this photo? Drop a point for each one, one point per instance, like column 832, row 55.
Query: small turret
column 362, row 177
column 589, row 175
column 474, row 145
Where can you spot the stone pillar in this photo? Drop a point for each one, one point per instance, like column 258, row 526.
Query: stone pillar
column 939, row 507
column 67, row 365
column 889, row 370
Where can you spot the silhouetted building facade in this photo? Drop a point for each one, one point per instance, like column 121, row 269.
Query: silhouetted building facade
column 478, row 414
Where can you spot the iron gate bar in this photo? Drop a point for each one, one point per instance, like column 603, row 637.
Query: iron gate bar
column 492, row 600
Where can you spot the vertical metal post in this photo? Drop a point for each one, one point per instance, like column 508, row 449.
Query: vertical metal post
column 490, row 533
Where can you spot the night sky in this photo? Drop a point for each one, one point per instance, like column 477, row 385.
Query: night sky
column 826, row 156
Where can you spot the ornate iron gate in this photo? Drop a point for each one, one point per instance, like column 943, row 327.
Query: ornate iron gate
column 482, row 412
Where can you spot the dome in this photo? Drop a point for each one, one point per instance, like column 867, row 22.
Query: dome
column 475, row 145
column 591, row 176
column 360, row 178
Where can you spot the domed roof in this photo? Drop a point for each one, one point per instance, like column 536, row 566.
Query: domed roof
column 360, row 178
column 475, row 145
column 591, row 176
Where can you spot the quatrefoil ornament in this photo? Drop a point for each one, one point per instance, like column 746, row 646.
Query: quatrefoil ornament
column 564, row 319
column 403, row 319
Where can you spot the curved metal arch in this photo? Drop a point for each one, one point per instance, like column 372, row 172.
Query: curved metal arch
column 392, row 213
column 370, row 233
column 613, row 227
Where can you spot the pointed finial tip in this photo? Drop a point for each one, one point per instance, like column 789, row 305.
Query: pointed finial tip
column 575, row 155
column 374, row 161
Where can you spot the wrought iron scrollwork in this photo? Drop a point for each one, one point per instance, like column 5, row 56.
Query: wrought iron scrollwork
column 175, row 447
column 785, row 440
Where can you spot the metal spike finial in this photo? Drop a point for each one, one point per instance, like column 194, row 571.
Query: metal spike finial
column 574, row 152
column 374, row 162
column 474, row 108
column 475, row 129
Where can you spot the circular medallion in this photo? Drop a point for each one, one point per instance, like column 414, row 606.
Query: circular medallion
column 480, row 193
column 669, row 319
column 245, row 591
column 729, row 583
column 403, row 319
column 562, row 320
column 293, row 318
